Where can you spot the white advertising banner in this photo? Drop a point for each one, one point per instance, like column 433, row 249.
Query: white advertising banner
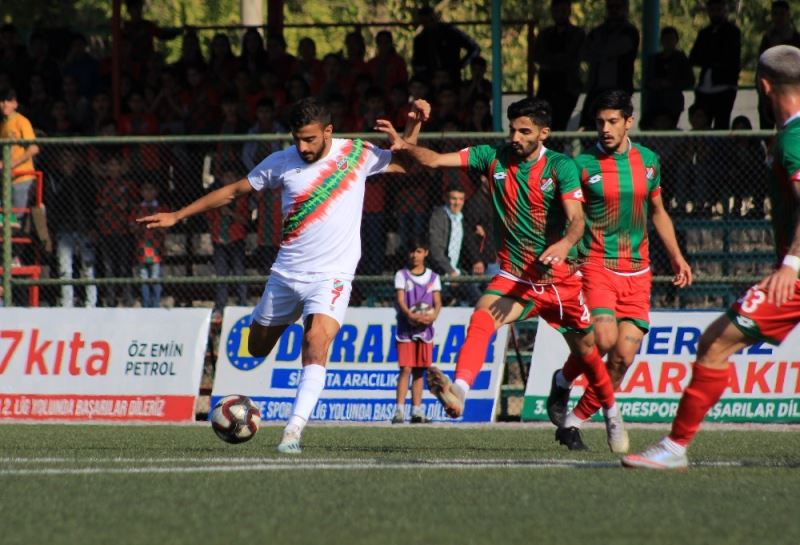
column 765, row 386
column 104, row 364
column 362, row 367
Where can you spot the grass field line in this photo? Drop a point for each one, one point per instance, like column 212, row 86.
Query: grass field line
column 218, row 465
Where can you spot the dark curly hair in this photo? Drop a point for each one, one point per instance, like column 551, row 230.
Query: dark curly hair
column 306, row 111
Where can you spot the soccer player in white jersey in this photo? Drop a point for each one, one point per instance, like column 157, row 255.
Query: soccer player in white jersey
column 322, row 180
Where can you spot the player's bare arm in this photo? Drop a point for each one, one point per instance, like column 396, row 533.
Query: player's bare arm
column 221, row 197
column 780, row 285
column 666, row 231
column 423, row 156
column 420, row 112
column 557, row 252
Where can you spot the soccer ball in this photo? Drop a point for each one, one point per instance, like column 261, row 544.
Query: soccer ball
column 235, row 419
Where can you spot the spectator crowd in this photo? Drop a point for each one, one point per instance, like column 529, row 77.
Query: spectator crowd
column 63, row 90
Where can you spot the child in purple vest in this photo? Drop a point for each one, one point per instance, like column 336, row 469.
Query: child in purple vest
column 418, row 303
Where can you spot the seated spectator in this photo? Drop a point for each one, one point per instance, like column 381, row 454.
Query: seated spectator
column 341, row 117
column 202, row 104
column 337, row 81
column 479, row 222
column 269, row 87
column 279, row 60
column 668, row 75
column 253, row 58
column 477, row 84
column 191, row 55
column 387, row 68
column 374, row 109
column 452, row 249
column 170, row 104
column 222, row 63
column 100, row 113
column 478, row 116
column 297, row 89
column 446, row 107
column 354, row 52
column 254, row 151
column 308, row 66
column 59, row 123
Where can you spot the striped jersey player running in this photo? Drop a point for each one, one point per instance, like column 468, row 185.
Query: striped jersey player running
column 538, row 212
column 322, row 180
column 769, row 310
column 622, row 186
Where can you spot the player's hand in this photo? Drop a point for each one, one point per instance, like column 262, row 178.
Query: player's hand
column 780, row 285
column 385, row 126
column 683, row 272
column 162, row 220
column 420, row 110
column 556, row 253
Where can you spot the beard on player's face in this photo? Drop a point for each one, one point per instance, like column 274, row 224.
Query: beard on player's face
column 312, row 141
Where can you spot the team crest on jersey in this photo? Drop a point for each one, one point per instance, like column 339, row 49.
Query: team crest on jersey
column 342, row 164
column 745, row 322
column 499, row 175
column 650, row 173
column 596, row 178
column 547, row 184
column 577, row 194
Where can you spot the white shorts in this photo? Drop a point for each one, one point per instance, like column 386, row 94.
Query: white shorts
column 285, row 300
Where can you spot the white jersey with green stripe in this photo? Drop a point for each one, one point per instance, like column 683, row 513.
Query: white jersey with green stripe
column 321, row 204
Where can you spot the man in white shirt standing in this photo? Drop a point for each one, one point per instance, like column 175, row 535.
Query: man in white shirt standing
column 322, row 179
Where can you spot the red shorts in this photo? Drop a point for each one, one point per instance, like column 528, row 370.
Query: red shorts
column 764, row 321
column 414, row 354
column 626, row 297
column 560, row 304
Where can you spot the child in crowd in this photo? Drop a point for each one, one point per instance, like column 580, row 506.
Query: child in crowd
column 149, row 244
column 228, row 226
column 418, row 303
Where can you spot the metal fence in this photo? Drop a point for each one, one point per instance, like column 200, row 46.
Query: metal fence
column 92, row 253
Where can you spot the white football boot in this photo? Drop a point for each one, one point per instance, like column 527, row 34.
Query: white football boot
column 659, row 456
column 290, row 442
column 615, row 431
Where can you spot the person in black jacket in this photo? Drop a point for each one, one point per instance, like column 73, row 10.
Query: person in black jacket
column 453, row 248
column 438, row 47
column 717, row 51
column 610, row 49
column 669, row 73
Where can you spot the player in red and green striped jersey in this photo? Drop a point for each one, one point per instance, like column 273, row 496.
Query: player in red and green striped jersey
column 769, row 310
column 538, row 214
column 622, row 186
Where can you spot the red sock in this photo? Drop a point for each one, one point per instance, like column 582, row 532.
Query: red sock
column 573, row 368
column 595, row 369
column 473, row 351
column 703, row 391
column 588, row 404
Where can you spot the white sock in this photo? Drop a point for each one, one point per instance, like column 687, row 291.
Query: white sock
column 673, row 447
column 572, row 421
column 416, row 410
column 461, row 388
column 401, row 408
column 312, row 382
column 612, row 411
column 561, row 381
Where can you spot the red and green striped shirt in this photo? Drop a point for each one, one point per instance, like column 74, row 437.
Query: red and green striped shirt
column 783, row 183
column 618, row 188
column 527, row 198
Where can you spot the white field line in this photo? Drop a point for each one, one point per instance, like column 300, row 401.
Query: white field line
column 219, row 465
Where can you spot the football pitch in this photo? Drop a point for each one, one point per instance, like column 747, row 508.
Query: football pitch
column 505, row 483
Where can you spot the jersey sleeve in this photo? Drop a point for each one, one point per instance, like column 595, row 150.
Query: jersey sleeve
column 268, row 173
column 437, row 282
column 399, row 281
column 377, row 159
column 478, row 158
column 653, row 174
column 569, row 181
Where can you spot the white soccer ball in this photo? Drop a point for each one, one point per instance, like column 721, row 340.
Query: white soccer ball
column 235, row 418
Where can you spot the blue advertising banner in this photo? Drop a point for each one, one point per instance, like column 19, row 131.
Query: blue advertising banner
column 362, row 367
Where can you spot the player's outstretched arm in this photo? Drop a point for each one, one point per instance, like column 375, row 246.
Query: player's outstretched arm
column 419, row 113
column 557, row 252
column 215, row 199
column 423, row 156
column 666, row 231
